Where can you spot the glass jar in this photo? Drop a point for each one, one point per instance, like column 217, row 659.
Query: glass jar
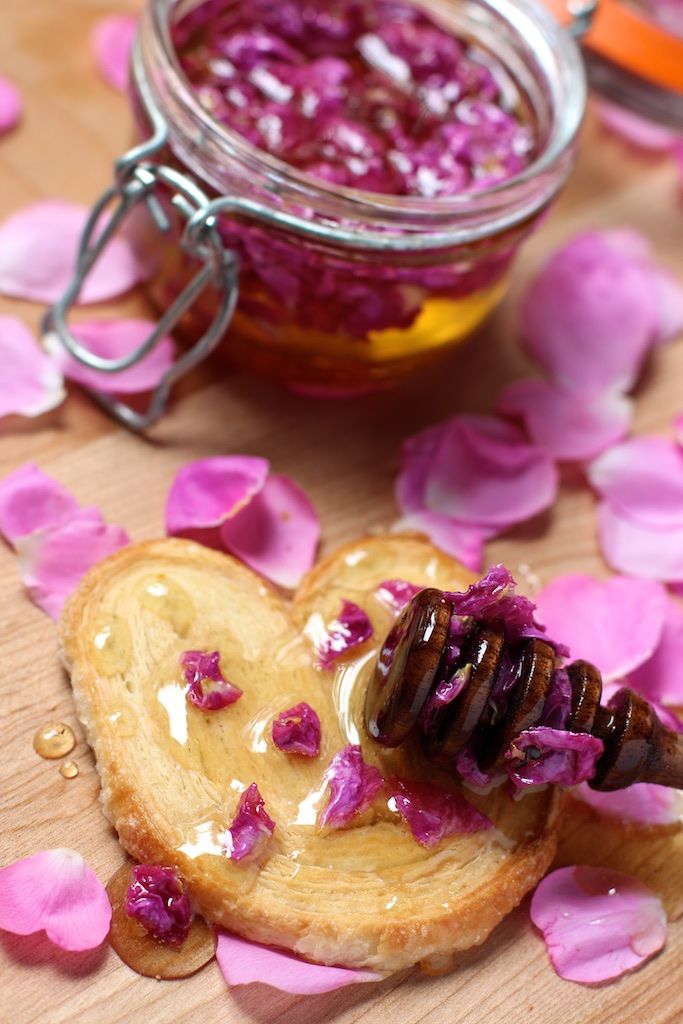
column 342, row 290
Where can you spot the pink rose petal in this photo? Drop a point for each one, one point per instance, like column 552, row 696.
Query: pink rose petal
column 113, row 339
column 660, row 678
column 57, row 892
column 38, row 246
column 478, row 470
column 638, row 131
column 396, row 594
column 642, row 804
column 564, row 423
column 31, row 380
column 11, row 105
column 251, row 829
column 543, row 755
column 245, row 963
column 353, row 785
column 640, row 550
column 590, row 316
column 31, row 500
column 643, row 479
column 670, row 301
column 459, row 540
column 351, row 628
column 616, row 624
column 432, row 813
column 207, row 492
column 54, row 561
column 112, row 41
column 208, row 689
column 276, row 533
column 597, row 924
column 297, row 731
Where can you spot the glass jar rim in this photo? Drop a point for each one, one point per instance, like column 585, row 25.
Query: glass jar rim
column 506, row 204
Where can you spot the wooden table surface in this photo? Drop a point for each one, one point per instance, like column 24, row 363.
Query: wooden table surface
column 345, row 455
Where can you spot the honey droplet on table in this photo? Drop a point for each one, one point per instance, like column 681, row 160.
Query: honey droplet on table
column 69, row 770
column 54, row 740
column 145, row 954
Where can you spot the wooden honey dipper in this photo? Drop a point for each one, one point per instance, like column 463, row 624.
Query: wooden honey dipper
column 637, row 746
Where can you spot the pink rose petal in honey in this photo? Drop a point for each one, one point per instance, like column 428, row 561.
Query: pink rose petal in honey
column 276, row 533
column 616, row 624
column 543, row 755
column 642, row 479
column 660, row 678
column 351, row 628
column 251, row 829
column 57, row 892
column 353, row 785
column 11, row 105
column 597, row 924
column 396, row 594
column 590, row 316
column 113, row 339
column 638, row 131
column 205, row 493
column 31, row 500
column 31, row 381
column 38, row 246
column 245, row 963
column 562, row 422
column 631, row 547
column 112, row 41
column 432, row 813
column 642, row 804
column 53, row 561
column 478, row 470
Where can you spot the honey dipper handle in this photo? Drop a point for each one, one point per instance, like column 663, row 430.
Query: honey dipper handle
column 638, row 748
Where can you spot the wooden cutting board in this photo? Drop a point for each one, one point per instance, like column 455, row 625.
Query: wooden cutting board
column 345, row 456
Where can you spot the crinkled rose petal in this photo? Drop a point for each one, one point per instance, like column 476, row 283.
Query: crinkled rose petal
column 590, row 316
column 54, row 561
column 208, row 689
column 432, row 813
column 112, row 339
column 31, row 380
column 460, row 540
column 642, row 479
column 494, row 597
column 351, row 628
column 660, row 678
column 483, row 472
column 38, row 247
column 564, row 423
column 157, row 900
column 616, row 624
column 441, row 696
column 640, row 550
column 31, row 500
column 597, row 923
column 353, row 785
column 207, row 492
column 468, row 768
column 245, row 963
column 638, row 131
column 112, row 41
column 11, row 105
column 57, row 892
column 642, row 804
column 297, row 731
column 543, row 755
column 251, row 829
column 396, row 594
column 276, row 533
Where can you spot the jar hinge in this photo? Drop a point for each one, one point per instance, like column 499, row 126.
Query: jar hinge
column 140, row 182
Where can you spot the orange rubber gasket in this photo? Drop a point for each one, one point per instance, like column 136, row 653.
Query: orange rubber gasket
column 619, row 34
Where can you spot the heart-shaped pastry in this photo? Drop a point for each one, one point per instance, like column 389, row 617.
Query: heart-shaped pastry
column 365, row 895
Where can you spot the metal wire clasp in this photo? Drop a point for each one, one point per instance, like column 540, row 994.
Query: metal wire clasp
column 142, row 183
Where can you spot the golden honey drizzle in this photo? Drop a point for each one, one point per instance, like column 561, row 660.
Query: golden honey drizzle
column 69, row 770
column 111, row 647
column 167, row 599
column 54, row 740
